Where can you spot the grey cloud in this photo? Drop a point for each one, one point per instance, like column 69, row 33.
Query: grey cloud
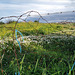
column 42, row 6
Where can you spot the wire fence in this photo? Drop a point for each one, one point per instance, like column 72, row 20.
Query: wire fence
column 18, row 45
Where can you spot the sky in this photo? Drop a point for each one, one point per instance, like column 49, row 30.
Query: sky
column 18, row 7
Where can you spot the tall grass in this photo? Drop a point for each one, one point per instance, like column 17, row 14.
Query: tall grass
column 49, row 56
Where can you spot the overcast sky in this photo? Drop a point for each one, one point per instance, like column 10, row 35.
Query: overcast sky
column 18, row 7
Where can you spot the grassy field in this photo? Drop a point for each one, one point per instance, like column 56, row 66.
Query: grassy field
column 48, row 50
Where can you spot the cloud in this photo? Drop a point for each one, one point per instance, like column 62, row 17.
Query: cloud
column 18, row 7
column 29, row 6
column 35, row 1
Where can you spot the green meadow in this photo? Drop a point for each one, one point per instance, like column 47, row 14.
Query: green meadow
column 48, row 49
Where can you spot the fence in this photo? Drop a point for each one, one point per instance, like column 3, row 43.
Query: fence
column 34, row 48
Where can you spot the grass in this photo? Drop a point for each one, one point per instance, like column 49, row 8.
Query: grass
column 53, row 54
column 30, row 28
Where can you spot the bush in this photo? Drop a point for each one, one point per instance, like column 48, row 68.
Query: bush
column 36, row 21
column 1, row 22
column 10, row 21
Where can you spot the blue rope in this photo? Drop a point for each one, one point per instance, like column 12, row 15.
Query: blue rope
column 16, row 38
column 72, row 67
column 18, row 43
column 18, row 73
column 15, row 73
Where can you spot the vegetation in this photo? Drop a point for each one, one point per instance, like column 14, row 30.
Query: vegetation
column 1, row 22
column 50, row 52
column 36, row 21
column 10, row 21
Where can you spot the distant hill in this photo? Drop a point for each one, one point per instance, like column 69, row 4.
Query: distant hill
column 56, row 17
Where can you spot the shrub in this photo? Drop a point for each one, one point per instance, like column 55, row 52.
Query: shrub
column 36, row 21
column 1, row 22
column 10, row 21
